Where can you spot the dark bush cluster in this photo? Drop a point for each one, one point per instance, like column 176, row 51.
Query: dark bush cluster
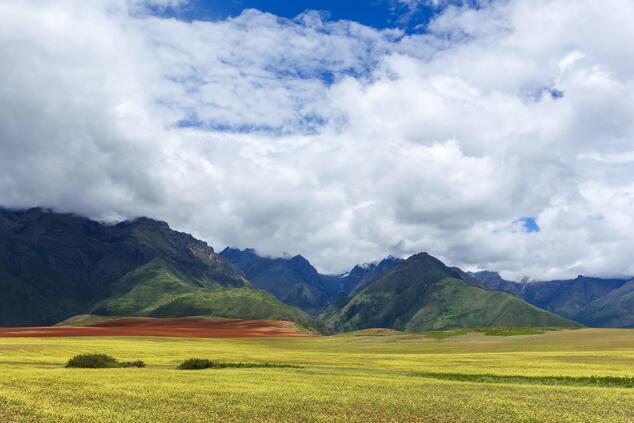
column 103, row 361
column 100, row 361
column 603, row 381
column 135, row 363
column 195, row 364
column 203, row 363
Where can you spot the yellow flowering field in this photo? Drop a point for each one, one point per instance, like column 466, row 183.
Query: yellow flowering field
column 580, row 375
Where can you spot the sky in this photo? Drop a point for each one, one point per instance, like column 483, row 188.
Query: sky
column 410, row 16
column 493, row 134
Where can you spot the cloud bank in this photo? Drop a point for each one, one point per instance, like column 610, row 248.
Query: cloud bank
column 332, row 139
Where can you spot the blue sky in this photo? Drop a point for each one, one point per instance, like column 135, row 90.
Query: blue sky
column 529, row 224
column 374, row 13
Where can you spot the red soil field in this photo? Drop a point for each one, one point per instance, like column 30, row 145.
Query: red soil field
column 188, row 327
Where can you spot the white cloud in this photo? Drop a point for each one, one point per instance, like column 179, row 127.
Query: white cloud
column 331, row 139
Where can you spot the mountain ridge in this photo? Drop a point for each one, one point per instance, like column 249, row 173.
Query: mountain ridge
column 54, row 266
column 294, row 280
column 575, row 298
column 57, row 265
column 615, row 309
column 422, row 293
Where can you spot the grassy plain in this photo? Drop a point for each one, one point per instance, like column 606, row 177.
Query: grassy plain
column 368, row 377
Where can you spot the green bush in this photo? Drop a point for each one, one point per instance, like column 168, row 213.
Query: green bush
column 203, row 363
column 100, row 361
column 195, row 364
column 136, row 363
column 603, row 381
column 93, row 361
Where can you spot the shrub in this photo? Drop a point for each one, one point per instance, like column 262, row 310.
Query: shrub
column 100, row 361
column 195, row 364
column 136, row 363
column 203, row 363
column 93, row 361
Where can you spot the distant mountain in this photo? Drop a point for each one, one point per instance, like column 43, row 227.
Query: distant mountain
column 361, row 274
column 567, row 298
column 292, row 280
column 295, row 281
column 421, row 293
column 493, row 281
column 615, row 309
column 54, row 266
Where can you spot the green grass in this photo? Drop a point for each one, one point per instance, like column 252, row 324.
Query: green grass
column 492, row 331
column 579, row 375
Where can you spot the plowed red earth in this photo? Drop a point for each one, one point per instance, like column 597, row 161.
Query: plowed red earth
column 190, row 327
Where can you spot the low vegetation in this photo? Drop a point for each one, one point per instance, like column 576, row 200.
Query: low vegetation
column 100, row 361
column 493, row 331
column 600, row 381
column 203, row 363
column 135, row 363
column 499, row 331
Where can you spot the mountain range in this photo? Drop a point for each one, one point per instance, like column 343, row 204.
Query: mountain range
column 54, row 266
column 591, row 301
column 295, row 281
column 421, row 293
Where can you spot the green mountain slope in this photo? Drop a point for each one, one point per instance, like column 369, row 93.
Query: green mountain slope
column 144, row 289
column 54, row 266
column 240, row 303
column 563, row 297
column 422, row 293
column 158, row 291
column 615, row 309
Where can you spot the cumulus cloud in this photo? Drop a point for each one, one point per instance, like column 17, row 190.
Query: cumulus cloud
column 331, row 139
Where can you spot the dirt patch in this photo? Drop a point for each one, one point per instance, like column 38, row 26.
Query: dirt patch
column 188, row 327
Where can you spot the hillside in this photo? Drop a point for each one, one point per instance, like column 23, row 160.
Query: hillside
column 566, row 298
column 54, row 266
column 422, row 293
column 616, row 309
